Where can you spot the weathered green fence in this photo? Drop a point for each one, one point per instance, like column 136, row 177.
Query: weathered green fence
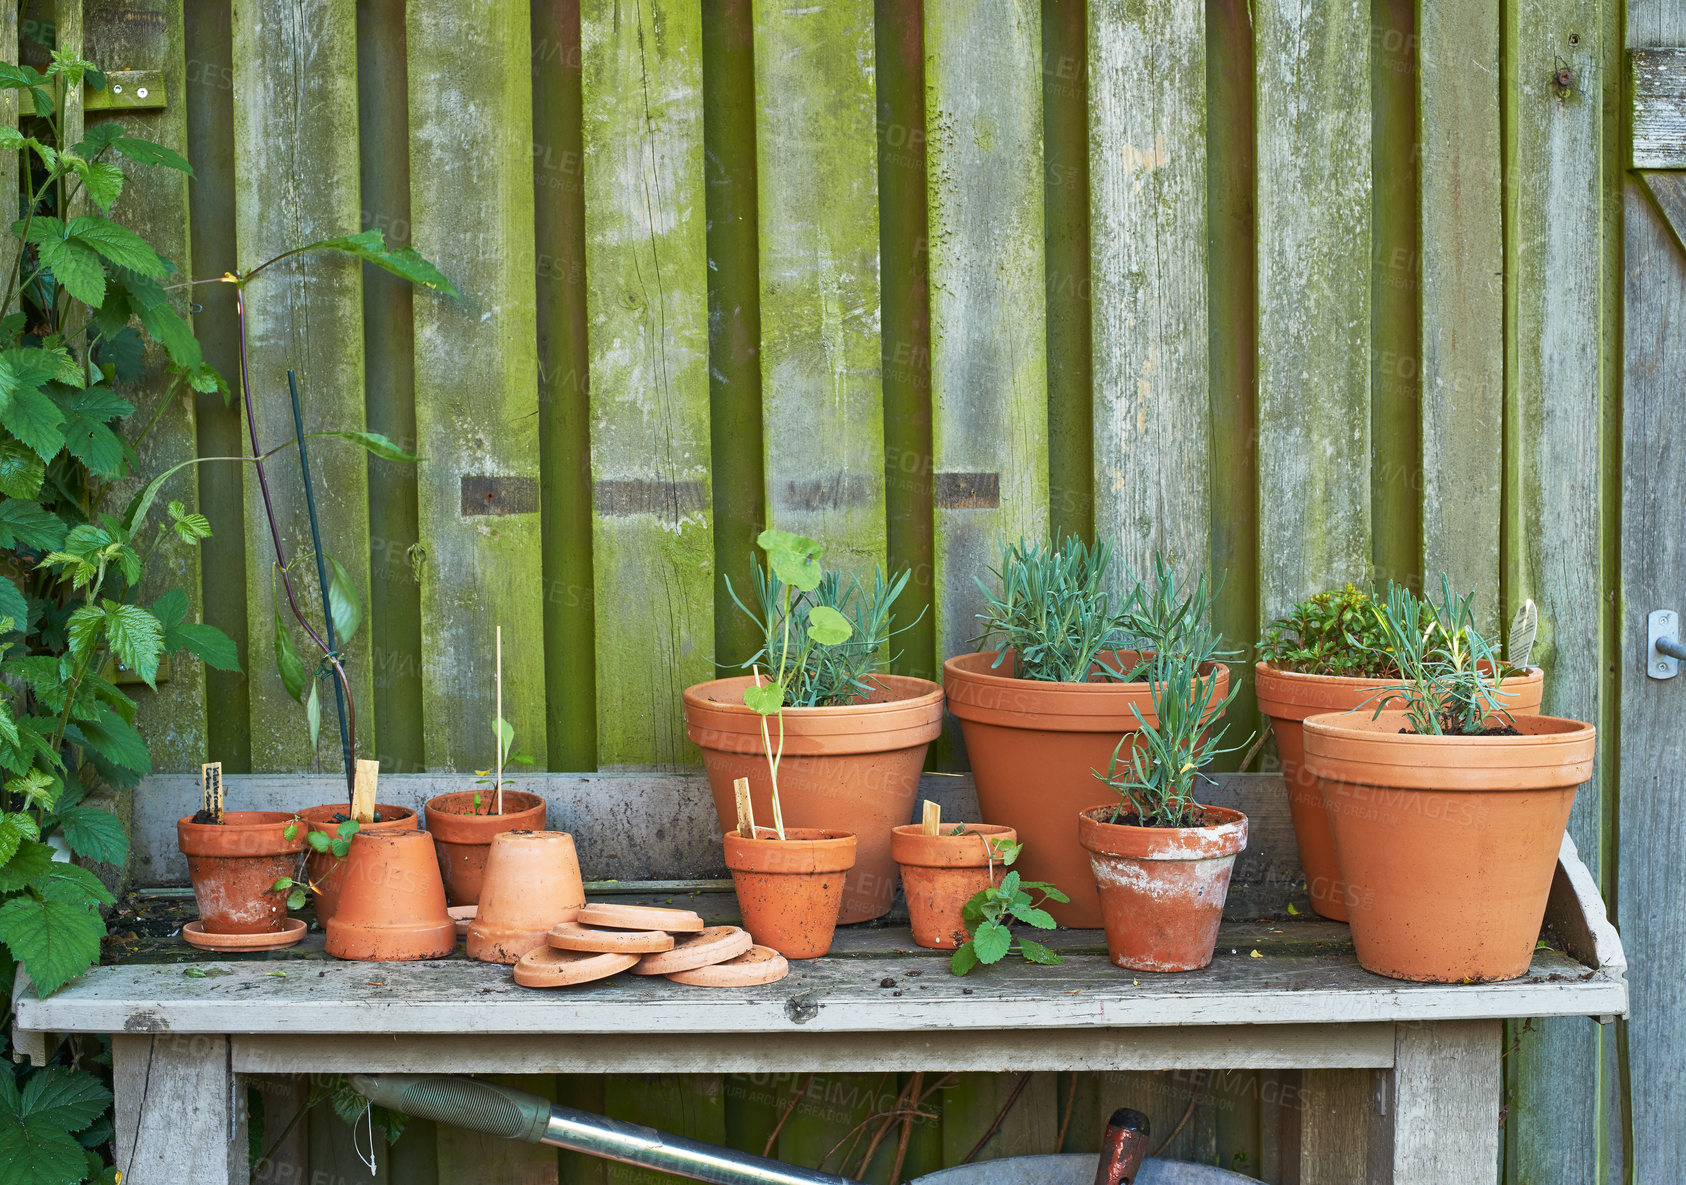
column 1300, row 292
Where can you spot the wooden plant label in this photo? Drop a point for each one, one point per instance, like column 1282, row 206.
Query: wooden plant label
column 746, row 809
column 933, row 820
column 210, row 789
column 363, row 790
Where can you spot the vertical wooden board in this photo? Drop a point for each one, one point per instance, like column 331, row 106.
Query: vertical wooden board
column 828, row 1111
column 1334, row 1137
column 647, row 328
column 9, row 119
column 295, row 153
column 1147, row 234
column 1235, row 1120
column 469, row 1158
column 1445, row 1096
column 187, row 1079
column 68, row 39
column 817, row 187
column 1070, row 343
column 1462, row 286
column 283, row 1137
column 1313, row 206
column 974, row 1102
column 689, row 1105
column 471, row 200
column 989, row 377
column 336, row 1152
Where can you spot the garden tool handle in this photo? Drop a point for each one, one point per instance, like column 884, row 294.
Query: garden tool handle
column 1123, row 1149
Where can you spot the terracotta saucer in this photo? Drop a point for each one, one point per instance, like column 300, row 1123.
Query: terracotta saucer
column 462, row 915
column 759, row 964
column 573, row 936
column 291, row 931
column 713, row 945
column 549, row 967
column 639, row 917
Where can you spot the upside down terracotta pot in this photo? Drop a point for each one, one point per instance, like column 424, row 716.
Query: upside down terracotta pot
column 323, row 868
column 532, row 883
column 1162, row 889
column 392, row 904
column 1288, row 697
column 1447, row 843
column 790, row 890
column 940, row 873
column 234, row 866
column 462, row 834
column 1035, row 748
column 852, row 768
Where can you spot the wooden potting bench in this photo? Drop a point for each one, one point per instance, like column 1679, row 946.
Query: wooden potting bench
column 1283, row 992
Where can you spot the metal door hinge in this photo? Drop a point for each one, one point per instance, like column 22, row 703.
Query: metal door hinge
column 1663, row 648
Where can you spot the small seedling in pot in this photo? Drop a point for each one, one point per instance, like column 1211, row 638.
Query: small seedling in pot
column 491, row 782
column 990, row 914
column 1450, row 680
column 300, row 886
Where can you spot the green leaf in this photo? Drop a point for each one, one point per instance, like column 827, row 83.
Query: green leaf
column 35, row 786
column 1029, row 914
column 506, row 736
column 38, row 1152
column 114, row 739
column 376, row 444
column 56, row 940
column 287, row 660
column 370, row 246
column 36, row 420
column 313, row 713
column 28, row 864
column 339, row 847
column 123, row 350
column 69, row 1099
column 317, row 840
column 87, row 435
column 206, row 643
column 12, row 606
column 15, row 827
column 83, row 629
column 963, row 959
column 103, row 179
column 1035, row 952
column 145, row 152
column 119, row 244
column 21, row 470
column 795, row 559
column 992, row 941
column 94, row 834
column 25, row 524
column 827, row 626
column 295, row 899
column 190, row 528
column 136, row 637
column 76, row 266
column 343, row 603
column 766, row 699
column 73, row 885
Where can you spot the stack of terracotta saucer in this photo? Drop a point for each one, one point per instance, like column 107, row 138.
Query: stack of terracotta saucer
column 647, row 940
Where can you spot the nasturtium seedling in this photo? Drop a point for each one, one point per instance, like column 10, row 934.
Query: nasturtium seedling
column 795, row 559
column 827, row 626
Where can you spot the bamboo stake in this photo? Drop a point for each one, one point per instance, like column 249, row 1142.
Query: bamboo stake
column 363, row 790
column 933, row 820
column 746, row 808
column 498, row 728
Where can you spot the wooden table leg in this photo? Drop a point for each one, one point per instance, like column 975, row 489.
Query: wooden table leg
column 179, row 1114
column 1443, row 1100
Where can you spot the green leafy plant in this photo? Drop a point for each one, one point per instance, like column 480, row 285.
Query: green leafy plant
column 1332, row 633
column 990, row 914
column 1450, row 680
column 299, row 886
column 52, row 1121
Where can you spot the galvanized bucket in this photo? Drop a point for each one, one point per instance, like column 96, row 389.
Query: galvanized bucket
column 1075, row 1169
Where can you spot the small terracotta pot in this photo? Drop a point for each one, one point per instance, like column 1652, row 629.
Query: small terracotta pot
column 462, row 836
column 940, row 873
column 1288, row 697
column 235, row 865
column 323, row 868
column 532, row 883
column 790, row 890
column 1162, row 889
column 1447, row 843
column 1035, row 748
column 853, row 768
column 392, row 904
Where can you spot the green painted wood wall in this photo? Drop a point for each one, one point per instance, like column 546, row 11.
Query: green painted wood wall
column 1299, row 293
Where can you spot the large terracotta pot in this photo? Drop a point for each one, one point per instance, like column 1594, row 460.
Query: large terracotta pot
column 462, row 836
column 323, row 869
column 940, row 873
column 852, row 768
column 790, row 890
column 1447, row 844
column 1288, row 697
column 234, row 866
column 532, row 882
column 1162, row 889
column 392, row 903
column 1035, row 748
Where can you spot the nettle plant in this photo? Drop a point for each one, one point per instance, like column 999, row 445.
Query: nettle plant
column 1334, row 632
column 1450, row 679
column 990, row 914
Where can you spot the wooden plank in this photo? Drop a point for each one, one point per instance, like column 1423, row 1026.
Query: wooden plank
column 466, row 1156
column 647, row 314
column 1070, row 342
column 1656, row 102
column 1313, row 198
column 989, row 379
column 295, row 150
column 337, row 1151
column 690, row 1105
column 1147, row 234
column 1445, row 1095
column 68, row 39
column 816, row 161
column 471, row 166
column 1333, row 1140
column 828, row 1125
column 179, row 1116
column 1462, row 299
column 1029, row 1122
column 283, row 1135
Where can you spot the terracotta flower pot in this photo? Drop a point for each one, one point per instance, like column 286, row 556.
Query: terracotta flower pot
column 940, row 873
column 322, row 868
column 462, row 836
column 1288, row 697
column 392, row 904
column 853, row 768
column 1034, row 749
column 1447, row 844
column 235, row 865
column 790, row 890
column 532, row 883
column 1162, row 889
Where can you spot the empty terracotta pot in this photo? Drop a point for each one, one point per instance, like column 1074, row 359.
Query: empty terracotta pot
column 940, row 873
column 853, row 768
column 1162, row 889
column 462, row 835
column 1288, row 697
column 532, row 882
column 1035, row 748
column 392, row 903
column 1447, row 843
column 323, row 868
column 790, row 890
column 234, row 866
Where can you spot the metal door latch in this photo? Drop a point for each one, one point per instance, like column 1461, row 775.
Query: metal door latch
column 1664, row 649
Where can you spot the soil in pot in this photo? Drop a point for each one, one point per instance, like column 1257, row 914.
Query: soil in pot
column 392, row 903
column 462, row 833
column 1288, row 697
column 790, row 890
column 234, row 866
column 852, row 768
column 532, row 882
column 1162, row 889
column 1447, row 844
column 1035, row 748
column 322, row 868
column 940, row 873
